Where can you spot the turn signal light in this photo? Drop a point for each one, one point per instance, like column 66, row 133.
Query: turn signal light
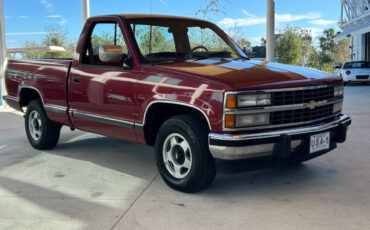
column 230, row 121
column 231, row 101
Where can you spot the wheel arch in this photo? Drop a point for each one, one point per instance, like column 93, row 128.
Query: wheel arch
column 28, row 93
column 153, row 120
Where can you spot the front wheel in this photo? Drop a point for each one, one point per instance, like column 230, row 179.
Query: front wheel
column 42, row 133
column 182, row 154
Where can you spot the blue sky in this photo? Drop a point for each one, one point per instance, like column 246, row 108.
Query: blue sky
column 27, row 19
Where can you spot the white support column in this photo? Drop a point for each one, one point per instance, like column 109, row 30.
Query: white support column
column 270, row 31
column 85, row 6
column 3, row 58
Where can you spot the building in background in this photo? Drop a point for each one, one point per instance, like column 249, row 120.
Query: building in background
column 355, row 23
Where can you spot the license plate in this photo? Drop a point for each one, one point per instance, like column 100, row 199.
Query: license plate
column 362, row 76
column 319, row 142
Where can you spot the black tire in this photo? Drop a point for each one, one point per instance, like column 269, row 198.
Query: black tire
column 202, row 170
column 48, row 132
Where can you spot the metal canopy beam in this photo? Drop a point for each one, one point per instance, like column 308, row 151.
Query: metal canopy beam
column 85, row 7
column 270, row 31
column 3, row 58
column 46, row 49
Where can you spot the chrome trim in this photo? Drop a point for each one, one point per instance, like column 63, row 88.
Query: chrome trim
column 240, row 137
column 280, row 107
column 282, row 125
column 246, row 152
column 176, row 103
column 56, row 109
column 243, row 152
column 282, row 89
column 29, row 87
column 139, row 126
column 268, row 108
column 103, row 119
column 249, row 151
column 11, row 99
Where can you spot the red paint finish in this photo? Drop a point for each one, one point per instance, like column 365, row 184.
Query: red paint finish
column 125, row 95
column 49, row 78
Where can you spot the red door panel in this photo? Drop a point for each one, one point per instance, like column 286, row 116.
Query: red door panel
column 103, row 100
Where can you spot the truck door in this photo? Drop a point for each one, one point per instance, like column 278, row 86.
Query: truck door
column 102, row 88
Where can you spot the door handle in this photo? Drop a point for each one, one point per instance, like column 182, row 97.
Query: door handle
column 77, row 79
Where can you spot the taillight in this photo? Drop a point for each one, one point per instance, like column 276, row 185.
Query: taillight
column 348, row 72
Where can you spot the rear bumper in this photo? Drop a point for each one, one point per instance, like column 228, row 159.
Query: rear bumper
column 355, row 79
column 282, row 144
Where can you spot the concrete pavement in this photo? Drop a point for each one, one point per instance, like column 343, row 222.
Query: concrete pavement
column 94, row 182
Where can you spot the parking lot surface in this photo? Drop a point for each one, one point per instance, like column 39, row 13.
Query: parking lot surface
column 94, row 182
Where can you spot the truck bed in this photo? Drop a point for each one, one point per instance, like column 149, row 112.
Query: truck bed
column 47, row 76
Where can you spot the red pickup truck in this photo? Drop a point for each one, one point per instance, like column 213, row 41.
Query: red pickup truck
column 183, row 86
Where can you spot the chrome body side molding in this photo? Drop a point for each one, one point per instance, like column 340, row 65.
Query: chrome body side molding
column 11, row 99
column 56, row 109
column 103, row 119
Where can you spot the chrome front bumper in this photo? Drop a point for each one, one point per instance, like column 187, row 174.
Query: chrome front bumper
column 281, row 142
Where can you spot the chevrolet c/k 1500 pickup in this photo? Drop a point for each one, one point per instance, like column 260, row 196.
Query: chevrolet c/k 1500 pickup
column 183, row 86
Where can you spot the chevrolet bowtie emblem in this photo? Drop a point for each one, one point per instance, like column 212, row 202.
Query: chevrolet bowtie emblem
column 311, row 105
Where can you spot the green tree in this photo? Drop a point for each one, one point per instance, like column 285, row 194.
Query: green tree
column 293, row 46
column 263, row 41
column 242, row 42
column 329, row 53
column 211, row 9
column 107, row 38
column 160, row 41
column 54, row 37
column 30, row 55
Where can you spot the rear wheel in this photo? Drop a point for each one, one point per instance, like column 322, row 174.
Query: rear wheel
column 42, row 133
column 182, row 154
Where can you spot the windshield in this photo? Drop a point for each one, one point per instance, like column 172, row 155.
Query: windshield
column 360, row 64
column 163, row 40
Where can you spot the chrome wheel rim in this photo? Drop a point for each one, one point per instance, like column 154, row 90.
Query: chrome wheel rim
column 177, row 155
column 35, row 125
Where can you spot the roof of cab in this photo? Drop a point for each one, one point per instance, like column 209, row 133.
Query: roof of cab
column 147, row 16
column 157, row 16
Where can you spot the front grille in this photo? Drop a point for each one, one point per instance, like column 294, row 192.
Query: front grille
column 301, row 115
column 302, row 96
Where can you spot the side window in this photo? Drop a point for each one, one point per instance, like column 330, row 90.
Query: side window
column 107, row 36
column 154, row 39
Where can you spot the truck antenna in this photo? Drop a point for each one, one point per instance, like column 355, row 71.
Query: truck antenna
column 150, row 6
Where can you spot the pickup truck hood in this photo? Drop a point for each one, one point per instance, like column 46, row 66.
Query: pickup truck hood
column 250, row 74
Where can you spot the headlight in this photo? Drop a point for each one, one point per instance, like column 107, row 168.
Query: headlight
column 337, row 107
column 233, row 101
column 338, row 90
column 245, row 120
column 252, row 120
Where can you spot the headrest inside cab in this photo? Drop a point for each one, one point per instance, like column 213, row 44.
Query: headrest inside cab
column 111, row 53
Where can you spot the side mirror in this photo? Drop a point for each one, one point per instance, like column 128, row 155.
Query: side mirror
column 248, row 51
column 337, row 67
column 111, row 53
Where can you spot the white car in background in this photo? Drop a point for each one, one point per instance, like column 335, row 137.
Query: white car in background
column 356, row 71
